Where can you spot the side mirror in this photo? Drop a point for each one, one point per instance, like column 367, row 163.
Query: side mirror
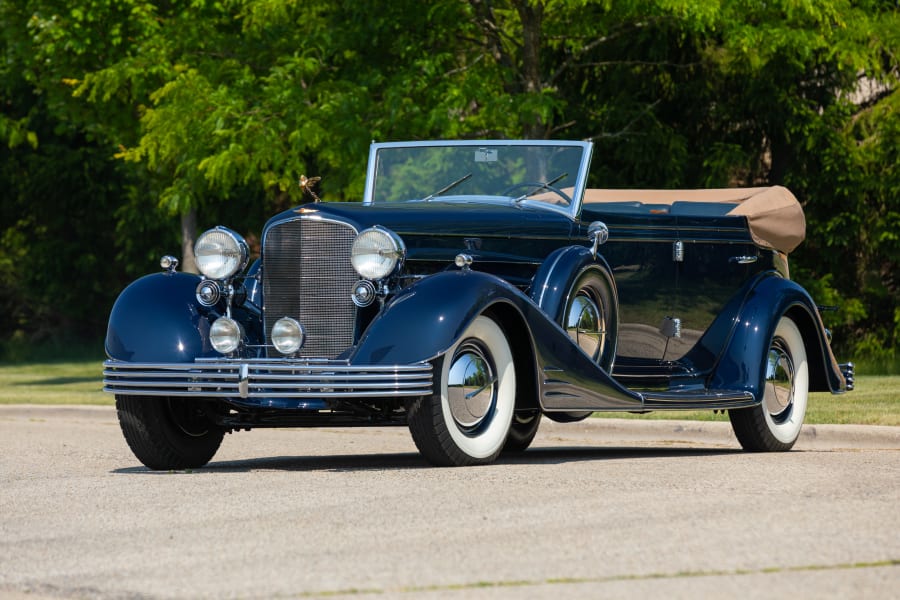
column 598, row 234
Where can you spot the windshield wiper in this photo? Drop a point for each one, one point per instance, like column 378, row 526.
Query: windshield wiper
column 541, row 185
column 447, row 188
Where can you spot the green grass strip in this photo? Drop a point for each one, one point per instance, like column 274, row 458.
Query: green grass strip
column 873, row 402
column 607, row 579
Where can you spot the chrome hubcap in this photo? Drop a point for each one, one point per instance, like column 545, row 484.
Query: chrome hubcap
column 471, row 387
column 779, row 395
column 585, row 325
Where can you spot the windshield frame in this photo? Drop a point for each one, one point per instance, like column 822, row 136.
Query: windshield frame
column 572, row 210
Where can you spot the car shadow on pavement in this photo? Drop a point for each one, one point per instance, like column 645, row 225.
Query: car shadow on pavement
column 411, row 460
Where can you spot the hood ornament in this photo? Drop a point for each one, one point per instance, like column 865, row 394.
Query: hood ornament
column 306, row 184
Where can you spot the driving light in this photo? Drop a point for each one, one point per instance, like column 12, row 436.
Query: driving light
column 225, row 335
column 220, row 253
column 287, row 335
column 377, row 252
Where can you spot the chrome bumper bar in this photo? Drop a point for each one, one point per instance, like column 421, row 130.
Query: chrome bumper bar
column 263, row 378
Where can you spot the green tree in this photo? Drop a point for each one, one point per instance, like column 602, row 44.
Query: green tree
column 214, row 108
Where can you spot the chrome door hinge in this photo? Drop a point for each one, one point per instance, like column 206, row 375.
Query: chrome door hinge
column 678, row 251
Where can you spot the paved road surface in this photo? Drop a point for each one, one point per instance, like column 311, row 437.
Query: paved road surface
column 610, row 509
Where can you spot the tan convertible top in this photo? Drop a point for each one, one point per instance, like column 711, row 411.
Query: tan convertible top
column 775, row 216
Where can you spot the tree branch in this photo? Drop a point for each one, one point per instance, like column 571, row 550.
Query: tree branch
column 571, row 60
column 624, row 130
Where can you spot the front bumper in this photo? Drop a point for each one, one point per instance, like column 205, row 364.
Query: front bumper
column 264, row 379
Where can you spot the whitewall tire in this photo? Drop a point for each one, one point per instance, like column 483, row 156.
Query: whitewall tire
column 467, row 419
column 774, row 424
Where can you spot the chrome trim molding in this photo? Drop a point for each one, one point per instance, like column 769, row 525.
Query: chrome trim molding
column 262, row 378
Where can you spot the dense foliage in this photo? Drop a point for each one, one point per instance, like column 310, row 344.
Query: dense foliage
column 126, row 124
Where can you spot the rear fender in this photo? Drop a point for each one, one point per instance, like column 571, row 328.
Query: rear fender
column 742, row 364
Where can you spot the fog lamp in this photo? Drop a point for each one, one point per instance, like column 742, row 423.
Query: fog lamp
column 225, row 335
column 287, row 335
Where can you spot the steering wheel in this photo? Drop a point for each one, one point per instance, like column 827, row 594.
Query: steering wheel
column 540, row 186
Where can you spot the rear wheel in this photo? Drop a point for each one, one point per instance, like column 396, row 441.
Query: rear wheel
column 168, row 433
column 774, row 424
column 467, row 420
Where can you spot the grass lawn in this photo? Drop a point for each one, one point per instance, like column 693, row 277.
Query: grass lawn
column 78, row 382
column 875, row 401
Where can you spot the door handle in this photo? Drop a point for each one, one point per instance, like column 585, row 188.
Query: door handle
column 743, row 260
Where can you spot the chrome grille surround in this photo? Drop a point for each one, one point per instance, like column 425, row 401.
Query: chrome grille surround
column 266, row 379
column 307, row 275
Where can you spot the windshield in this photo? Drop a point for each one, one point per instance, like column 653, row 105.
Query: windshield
column 550, row 173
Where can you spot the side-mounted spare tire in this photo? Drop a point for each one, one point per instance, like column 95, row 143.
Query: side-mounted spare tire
column 591, row 318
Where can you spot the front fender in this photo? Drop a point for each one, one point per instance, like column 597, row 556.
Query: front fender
column 156, row 319
column 425, row 320
column 742, row 364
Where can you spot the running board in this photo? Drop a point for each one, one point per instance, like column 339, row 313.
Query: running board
column 694, row 399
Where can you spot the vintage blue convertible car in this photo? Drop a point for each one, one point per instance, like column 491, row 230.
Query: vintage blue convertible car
column 477, row 287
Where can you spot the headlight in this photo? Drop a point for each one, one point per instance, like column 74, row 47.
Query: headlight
column 287, row 335
column 225, row 335
column 377, row 252
column 221, row 253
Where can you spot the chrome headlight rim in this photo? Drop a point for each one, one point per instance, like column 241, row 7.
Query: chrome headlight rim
column 225, row 335
column 377, row 253
column 221, row 253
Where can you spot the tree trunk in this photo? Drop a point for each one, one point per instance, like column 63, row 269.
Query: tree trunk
column 532, row 16
column 188, row 237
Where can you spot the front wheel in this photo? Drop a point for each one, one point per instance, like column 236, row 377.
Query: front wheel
column 168, row 433
column 774, row 424
column 466, row 421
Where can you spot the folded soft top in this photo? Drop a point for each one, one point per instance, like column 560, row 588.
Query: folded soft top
column 774, row 215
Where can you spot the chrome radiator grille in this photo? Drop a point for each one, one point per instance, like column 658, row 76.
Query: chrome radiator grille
column 307, row 275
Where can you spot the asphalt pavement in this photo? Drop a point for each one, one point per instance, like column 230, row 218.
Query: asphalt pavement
column 605, row 508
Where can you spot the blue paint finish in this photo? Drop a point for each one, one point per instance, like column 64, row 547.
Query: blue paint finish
column 742, row 363
column 427, row 318
column 157, row 319
column 556, row 275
